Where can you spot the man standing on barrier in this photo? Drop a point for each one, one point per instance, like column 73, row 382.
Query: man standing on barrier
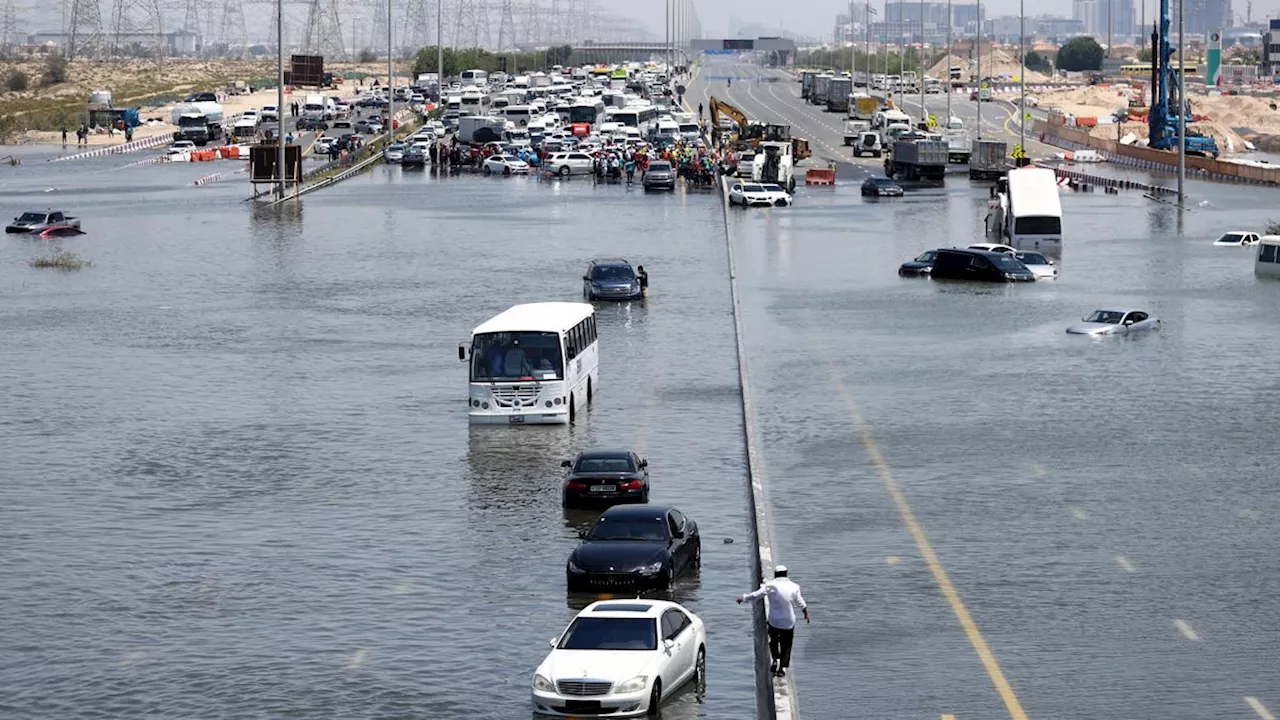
column 783, row 597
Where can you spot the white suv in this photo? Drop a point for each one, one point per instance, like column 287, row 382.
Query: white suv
column 570, row 163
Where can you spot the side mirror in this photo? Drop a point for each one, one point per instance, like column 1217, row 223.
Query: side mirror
column 462, row 353
column 644, row 463
column 555, row 641
column 566, row 463
column 587, row 278
column 582, row 534
column 668, row 644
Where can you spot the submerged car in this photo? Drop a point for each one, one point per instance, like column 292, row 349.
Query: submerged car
column 758, row 195
column 922, row 265
column 393, row 153
column 414, row 158
column 659, row 176
column 993, row 247
column 1237, row 238
column 611, row 279
column 38, row 222
column 881, row 187
column 621, row 658
column 634, row 547
column 598, row 476
column 1039, row 265
column 1115, row 322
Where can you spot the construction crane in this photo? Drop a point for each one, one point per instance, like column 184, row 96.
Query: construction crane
column 1162, row 123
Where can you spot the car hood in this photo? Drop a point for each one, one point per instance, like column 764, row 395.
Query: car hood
column 660, row 174
column 1090, row 328
column 612, row 284
column 616, row 665
column 916, row 265
column 621, row 555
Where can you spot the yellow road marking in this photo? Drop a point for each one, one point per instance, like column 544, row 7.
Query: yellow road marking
column 1078, row 514
column 1185, row 629
column 926, row 550
column 1123, row 562
column 947, row 717
column 358, row 659
column 1259, row 708
column 893, row 559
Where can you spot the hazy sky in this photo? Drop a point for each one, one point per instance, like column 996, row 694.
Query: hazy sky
column 816, row 17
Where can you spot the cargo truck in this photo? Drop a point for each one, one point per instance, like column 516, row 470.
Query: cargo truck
column 806, row 83
column 863, row 107
column 988, row 160
column 818, row 95
column 838, row 92
column 917, row 159
column 959, row 144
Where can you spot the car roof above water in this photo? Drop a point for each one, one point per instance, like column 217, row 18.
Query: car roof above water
column 628, row 608
column 603, row 454
column 610, row 262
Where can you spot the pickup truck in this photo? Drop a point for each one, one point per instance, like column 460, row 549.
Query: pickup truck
column 36, row 222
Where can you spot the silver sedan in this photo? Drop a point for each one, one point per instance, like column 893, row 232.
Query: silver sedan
column 1115, row 322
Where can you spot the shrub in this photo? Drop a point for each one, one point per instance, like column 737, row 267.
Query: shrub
column 367, row 55
column 60, row 260
column 55, row 69
column 17, row 81
column 1273, row 228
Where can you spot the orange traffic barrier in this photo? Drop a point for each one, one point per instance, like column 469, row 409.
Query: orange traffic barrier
column 820, row 176
column 1086, row 121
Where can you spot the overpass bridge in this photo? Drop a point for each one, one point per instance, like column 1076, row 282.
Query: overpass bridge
column 778, row 50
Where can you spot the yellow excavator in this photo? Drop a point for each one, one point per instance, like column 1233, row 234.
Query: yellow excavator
column 753, row 133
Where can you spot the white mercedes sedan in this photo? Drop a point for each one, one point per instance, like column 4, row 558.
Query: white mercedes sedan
column 620, row 658
column 1115, row 322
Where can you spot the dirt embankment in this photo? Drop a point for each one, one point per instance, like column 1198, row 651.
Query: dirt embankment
column 996, row 63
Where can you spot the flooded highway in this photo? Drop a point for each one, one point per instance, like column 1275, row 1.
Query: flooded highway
column 991, row 518
column 239, row 478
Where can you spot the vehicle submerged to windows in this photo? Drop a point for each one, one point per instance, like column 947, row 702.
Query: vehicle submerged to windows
column 610, row 279
column 635, row 546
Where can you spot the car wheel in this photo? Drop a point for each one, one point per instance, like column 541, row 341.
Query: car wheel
column 590, row 393
column 573, row 410
column 700, row 671
column 697, row 554
column 564, row 171
column 669, row 577
column 644, row 498
column 655, row 697
column 506, row 172
column 487, row 171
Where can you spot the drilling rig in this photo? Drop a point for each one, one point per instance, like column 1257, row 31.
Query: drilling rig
column 1162, row 123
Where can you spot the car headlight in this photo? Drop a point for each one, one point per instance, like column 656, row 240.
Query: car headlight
column 635, row 684
column 542, row 684
column 573, row 567
column 651, row 568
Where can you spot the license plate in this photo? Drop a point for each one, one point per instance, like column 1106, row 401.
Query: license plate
column 515, row 419
column 603, row 488
column 582, row 706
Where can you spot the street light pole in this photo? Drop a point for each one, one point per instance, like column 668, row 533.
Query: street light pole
column 355, row 45
column 280, row 174
column 1182, row 107
column 924, row 113
column 853, row 49
column 948, row 86
column 1022, row 76
column 979, row 70
column 391, row 85
column 439, row 51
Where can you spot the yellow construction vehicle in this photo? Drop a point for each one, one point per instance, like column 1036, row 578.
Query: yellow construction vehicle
column 721, row 108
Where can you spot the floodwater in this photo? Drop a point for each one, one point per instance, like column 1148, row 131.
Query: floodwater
column 238, row 475
column 1102, row 511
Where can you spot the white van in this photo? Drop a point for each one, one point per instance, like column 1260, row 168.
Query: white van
column 668, row 130
column 1267, row 262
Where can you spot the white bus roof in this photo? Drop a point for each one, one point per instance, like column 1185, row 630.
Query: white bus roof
column 1033, row 192
column 537, row 317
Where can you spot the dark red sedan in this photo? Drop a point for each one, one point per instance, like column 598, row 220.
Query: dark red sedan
column 606, row 477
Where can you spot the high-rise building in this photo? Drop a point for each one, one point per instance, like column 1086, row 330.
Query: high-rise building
column 934, row 12
column 1205, row 16
column 1271, row 50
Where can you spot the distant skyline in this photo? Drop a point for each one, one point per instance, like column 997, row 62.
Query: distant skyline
column 818, row 18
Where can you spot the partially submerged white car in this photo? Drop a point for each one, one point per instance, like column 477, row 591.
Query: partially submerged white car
column 1237, row 238
column 1110, row 321
column 620, row 658
column 758, row 195
column 1039, row 265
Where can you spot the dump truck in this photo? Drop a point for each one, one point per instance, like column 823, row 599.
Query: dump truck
column 914, row 158
column 838, row 92
column 863, row 107
column 988, row 160
column 959, row 144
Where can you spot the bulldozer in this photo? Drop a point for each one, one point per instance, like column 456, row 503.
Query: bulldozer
column 751, row 134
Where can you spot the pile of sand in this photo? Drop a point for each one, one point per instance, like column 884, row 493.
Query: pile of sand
column 1227, row 139
column 996, row 63
column 1087, row 101
column 1240, row 111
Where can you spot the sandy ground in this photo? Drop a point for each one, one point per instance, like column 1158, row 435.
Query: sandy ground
column 133, row 79
column 995, row 63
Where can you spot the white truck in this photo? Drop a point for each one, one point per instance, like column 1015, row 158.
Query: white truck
column 889, row 116
column 853, row 129
column 318, row 107
column 774, row 164
column 959, row 144
column 480, row 129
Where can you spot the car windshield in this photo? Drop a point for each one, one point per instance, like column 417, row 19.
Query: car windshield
column 752, row 188
column 1109, row 317
column 601, row 633
column 885, row 182
column 1007, row 263
column 605, row 464
column 631, row 528
column 660, row 167
column 1030, row 258
column 612, row 272
column 773, row 188
column 516, row 356
column 927, row 256
column 31, row 217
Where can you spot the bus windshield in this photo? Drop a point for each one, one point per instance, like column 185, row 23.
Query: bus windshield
column 584, row 114
column 513, row 356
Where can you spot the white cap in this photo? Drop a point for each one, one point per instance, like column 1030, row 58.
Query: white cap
column 779, row 569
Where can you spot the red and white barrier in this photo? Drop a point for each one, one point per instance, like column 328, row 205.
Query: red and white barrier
column 133, row 146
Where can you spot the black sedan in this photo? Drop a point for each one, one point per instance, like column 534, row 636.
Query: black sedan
column 881, row 187
column 922, row 265
column 606, row 476
column 635, row 546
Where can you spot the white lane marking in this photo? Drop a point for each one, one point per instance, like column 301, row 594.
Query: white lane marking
column 132, row 658
column 402, row 589
column 893, row 560
column 1038, row 469
column 1259, row 708
column 358, row 658
column 1124, row 563
column 1077, row 513
column 1185, row 629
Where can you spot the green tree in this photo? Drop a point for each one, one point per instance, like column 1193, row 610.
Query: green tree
column 1144, row 55
column 1081, row 53
column 17, row 81
column 55, row 69
column 367, row 55
column 1036, row 61
column 560, row 55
